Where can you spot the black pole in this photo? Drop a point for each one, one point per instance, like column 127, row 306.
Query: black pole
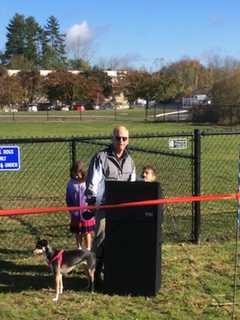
column 146, row 109
column 115, row 112
column 196, row 217
column 155, row 111
column 73, row 149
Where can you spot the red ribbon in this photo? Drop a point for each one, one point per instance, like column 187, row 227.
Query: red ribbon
column 154, row 202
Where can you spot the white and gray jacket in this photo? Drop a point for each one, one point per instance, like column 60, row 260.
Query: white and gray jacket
column 105, row 166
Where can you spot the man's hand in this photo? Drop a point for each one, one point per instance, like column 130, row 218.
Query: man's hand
column 91, row 201
column 87, row 215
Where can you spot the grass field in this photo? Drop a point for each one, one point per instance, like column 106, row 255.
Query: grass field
column 197, row 280
column 93, row 122
column 126, row 115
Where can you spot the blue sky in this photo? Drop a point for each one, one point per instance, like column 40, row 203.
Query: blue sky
column 147, row 31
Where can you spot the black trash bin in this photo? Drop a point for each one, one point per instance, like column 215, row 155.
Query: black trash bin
column 132, row 254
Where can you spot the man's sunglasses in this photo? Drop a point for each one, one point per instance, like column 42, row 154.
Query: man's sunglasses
column 121, row 138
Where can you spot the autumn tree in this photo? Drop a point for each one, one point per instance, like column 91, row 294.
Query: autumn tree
column 31, row 83
column 11, row 91
column 141, row 84
column 102, row 80
column 65, row 87
column 190, row 74
column 169, row 88
column 227, row 90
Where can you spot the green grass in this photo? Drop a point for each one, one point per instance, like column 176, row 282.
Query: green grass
column 93, row 122
column 197, row 280
column 196, row 284
column 26, row 129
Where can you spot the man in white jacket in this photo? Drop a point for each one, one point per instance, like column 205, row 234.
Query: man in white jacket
column 112, row 163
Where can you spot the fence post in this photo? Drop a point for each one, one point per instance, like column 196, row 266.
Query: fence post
column 155, row 111
column 146, row 109
column 196, row 218
column 73, row 151
column 115, row 112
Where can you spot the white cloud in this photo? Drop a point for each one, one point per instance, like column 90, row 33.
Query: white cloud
column 79, row 34
column 81, row 39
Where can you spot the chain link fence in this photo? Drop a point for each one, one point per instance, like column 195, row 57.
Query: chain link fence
column 157, row 113
column 219, row 171
column 219, row 114
column 44, row 173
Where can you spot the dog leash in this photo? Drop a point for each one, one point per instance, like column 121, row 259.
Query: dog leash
column 58, row 257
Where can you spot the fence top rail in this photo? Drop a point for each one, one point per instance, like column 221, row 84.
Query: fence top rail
column 220, row 133
column 107, row 137
column 89, row 138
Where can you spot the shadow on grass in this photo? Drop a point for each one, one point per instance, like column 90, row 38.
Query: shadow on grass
column 13, row 252
column 31, row 277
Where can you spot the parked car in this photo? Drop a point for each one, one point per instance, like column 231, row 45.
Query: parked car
column 107, row 105
column 65, row 108
column 32, row 108
column 78, row 107
column 89, row 105
column 45, row 106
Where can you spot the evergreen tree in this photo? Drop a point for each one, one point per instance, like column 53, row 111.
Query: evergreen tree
column 53, row 43
column 2, row 58
column 15, row 36
column 45, row 50
column 32, row 48
column 23, row 45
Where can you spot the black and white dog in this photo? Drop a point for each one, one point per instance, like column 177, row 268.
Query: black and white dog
column 62, row 262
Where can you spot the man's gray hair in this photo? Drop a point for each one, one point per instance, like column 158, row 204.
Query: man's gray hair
column 116, row 130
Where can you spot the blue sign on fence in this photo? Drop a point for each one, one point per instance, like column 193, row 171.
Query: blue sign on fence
column 9, row 158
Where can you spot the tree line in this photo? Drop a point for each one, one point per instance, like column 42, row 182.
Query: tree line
column 30, row 47
column 59, row 87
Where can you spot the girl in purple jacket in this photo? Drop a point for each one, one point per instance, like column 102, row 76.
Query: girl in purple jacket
column 75, row 196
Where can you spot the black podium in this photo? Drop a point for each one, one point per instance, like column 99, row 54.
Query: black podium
column 132, row 253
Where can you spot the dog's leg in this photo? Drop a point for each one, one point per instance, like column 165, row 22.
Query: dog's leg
column 86, row 271
column 90, row 277
column 91, row 273
column 61, row 284
column 57, row 280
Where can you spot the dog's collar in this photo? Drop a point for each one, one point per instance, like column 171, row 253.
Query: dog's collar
column 58, row 257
